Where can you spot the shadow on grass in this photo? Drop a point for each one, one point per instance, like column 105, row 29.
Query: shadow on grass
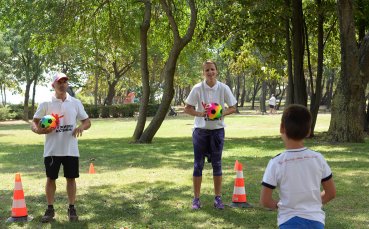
column 118, row 153
column 20, row 126
column 151, row 205
column 165, row 204
column 141, row 205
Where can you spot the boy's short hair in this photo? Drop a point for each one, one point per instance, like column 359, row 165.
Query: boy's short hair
column 296, row 120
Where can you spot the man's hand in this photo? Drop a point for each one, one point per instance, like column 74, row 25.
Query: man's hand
column 78, row 131
column 36, row 128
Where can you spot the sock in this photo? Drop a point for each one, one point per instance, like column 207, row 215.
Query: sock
column 50, row 206
column 71, row 206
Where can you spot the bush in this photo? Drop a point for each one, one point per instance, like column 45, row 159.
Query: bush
column 114, row 111
column 5, row 114
column 105, row 112
column 151, row 109
column 16, row 111
column 117, row 111
column 128, row 110
column 92, row 111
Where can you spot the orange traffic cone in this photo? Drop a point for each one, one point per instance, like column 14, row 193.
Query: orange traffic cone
column 19, row 209
column 92, row 169
column 239, row 198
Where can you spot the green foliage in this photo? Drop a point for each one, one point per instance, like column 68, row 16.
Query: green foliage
column 6, row 113
column 16, row 111
column 118, row 111
column 92, row 110
column 105, row 112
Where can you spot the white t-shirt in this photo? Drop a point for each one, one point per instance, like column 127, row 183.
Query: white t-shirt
column 272, row 101
column 61, row 142
column 298, row 173
column 201, row 94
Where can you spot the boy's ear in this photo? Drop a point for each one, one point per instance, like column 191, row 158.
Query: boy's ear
column 308, row 133
column 281, row 129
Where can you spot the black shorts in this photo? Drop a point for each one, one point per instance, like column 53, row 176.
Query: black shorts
column 271, row 106
column 70, row 166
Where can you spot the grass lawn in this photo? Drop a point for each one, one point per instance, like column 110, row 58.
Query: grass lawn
column 150, row 186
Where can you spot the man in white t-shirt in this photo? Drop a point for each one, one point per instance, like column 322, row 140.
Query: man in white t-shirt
column 208, row 133
column 61, row 143
column 298, row 172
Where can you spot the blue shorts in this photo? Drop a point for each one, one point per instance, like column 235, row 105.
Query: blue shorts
column 208, row 143
column 301, row 223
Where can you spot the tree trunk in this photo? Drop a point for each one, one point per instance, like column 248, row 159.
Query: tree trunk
column 118, row 74
column 281, row 97
column 96, row 88
column 347, row 119
column 237, row 92
column 111, row 93
column 263, row 97
column 366, row 124
column 229, row 80
column 141, row 121
column 364, row 72
column 26, row 100
column 327, row 98
column 316, row 95
column 169, row 68
column 243, row 94
column 299, row 83
column 256, row 88
column 32, row 111
column 290, row 85
column 3, row 95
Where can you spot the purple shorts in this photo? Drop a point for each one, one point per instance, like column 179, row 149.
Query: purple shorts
column 209, row 144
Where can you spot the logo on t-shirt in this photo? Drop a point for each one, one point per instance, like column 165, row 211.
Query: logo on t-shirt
column 64, row 128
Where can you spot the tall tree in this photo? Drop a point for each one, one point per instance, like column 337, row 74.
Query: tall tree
column 347, row 121
column 144, row 28
column 288, row 51
column 322, row 8
column 298, row 47
column 168, row 71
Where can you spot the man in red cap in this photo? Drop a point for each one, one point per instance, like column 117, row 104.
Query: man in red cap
column 61, row 143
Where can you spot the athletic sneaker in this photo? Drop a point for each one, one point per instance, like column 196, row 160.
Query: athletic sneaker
column 196, row 203
column 48, row 216
column 218, row 202
column 72, row 214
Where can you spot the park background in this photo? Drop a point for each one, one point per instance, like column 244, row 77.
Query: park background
column 314, row 53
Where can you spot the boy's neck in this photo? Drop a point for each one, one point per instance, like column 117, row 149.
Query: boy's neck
column 293, row 144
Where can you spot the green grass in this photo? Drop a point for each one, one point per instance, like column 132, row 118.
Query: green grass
column 150, row 186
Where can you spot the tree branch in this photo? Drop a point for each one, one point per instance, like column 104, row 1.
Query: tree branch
column 172, row 22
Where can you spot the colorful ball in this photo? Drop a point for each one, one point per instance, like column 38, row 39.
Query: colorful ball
column 48, row 121
column 214, row 111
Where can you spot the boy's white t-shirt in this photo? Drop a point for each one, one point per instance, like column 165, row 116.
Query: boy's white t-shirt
column 201, row 94
column 61, row 142
column 298, row 173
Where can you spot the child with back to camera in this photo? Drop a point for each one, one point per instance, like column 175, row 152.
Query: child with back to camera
column 298, row 172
